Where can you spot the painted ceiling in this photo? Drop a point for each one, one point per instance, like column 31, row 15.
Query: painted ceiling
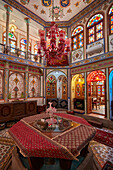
column 63, row 10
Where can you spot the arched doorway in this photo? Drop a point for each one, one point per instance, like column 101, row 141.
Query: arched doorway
column 111, row 94
column 77, row 92
column 56, row 89
column 96, row 93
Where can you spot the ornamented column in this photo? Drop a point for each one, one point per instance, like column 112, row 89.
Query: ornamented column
column 69, row 36
column 8, row 10
column 69, row 88
column 107, row 93
column 85, row 43
column 85, row 97
column 6, row 82
column 26, row 83
column 44, row 85
column 106, row 32
column 27, row 24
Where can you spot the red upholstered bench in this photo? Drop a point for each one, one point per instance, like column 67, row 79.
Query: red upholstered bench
column 95, row 123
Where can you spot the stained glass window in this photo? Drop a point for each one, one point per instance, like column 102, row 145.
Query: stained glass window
column 111, row 20
column 35, row 48
column 23, row 45
column 96, row 18
column 111, row 10
column 12, row 41
column 77, row 30
column 95, row 28
column 77, row 38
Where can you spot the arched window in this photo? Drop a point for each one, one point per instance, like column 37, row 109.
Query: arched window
column 111, row 20
column 77, row 38
column 23, row 46
column 35, row 49
column 12, row 41
column 95, row 28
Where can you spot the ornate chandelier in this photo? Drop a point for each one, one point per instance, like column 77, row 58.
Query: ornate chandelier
column 53, row 52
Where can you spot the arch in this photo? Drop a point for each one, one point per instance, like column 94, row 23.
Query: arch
column 1, row 85
column 111, row 93
column 96, row 86
column 77, row 30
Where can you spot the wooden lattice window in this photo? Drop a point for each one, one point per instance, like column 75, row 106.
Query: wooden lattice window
column 95, row 28
column 77, row 38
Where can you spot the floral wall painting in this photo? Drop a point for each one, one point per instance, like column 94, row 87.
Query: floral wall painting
column 77, row 55
column 34, row 86
column 35, row 6
column 77, row 4
column 16, row 86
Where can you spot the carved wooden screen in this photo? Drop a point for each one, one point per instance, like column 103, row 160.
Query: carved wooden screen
column 51, row 87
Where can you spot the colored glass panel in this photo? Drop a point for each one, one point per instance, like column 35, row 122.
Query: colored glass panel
column 75, row 46
column 77, row 30
column 111, row 28
column 80, row 44
column 99, row 35
column 91, row 39
column 111, row 20
column 74, row 39
column 13, row 46
column 95, row 19
column 99, row 27
column 91, row 31
column 111, row 10
column 80, row 36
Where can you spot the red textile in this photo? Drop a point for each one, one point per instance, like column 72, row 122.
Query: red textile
column 74, row 118
column 104, row 137
column 33, row 143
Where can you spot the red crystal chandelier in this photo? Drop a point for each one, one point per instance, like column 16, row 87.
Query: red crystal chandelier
column 53, row 52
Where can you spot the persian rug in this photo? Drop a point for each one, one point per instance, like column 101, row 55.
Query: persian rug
column 6, row 148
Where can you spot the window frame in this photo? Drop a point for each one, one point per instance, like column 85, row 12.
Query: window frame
column 95, row 32
column 77, row 35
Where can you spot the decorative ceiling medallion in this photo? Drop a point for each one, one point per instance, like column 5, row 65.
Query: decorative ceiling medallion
column 57, row 12
column 46, row 3
column 25, row 2
column 87, row 1
column 64, row 3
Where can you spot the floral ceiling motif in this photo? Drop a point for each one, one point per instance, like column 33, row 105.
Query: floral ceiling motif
column 64, row 10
